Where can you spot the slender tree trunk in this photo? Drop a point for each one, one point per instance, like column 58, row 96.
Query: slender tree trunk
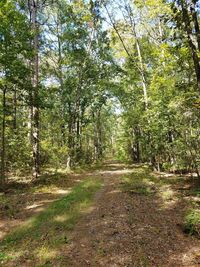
column 2, row 181
column 141, row 63
column 187, row 26
column 195, row 21
column 95, row 138
column 35, row 92
column 139, row 53
column 99, row 134
column 70, row 141
column 60, row 77
column 142, row 72
column 87, row 152
column 137, row 143
column 15, row 110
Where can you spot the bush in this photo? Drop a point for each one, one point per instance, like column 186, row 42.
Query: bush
column 192, row 222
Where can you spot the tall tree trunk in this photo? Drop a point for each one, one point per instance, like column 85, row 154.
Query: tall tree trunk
column 99, row 133
column 141, row 63
column 142, row 72
column 60, row 78
column 15, row 110
column 187, row 26
column 70, row 141
column 193, row 8
column 35, row 92
column 2, row 181
column 139, row 53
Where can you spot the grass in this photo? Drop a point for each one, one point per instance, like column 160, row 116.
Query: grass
column 139, row 182
column 142, row 182
column 167, row 193
column 147, row 183
column 40, row 238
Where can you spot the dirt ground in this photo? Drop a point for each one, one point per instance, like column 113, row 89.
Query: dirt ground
column 131, row 230
column 121, row 228
column 24, row 199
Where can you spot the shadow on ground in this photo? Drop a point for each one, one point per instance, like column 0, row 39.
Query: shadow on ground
column 135, row 220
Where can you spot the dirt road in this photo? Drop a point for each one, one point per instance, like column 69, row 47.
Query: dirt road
column 131, row 229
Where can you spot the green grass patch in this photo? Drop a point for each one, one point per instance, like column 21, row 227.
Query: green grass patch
column 192, row 222
column 39, row 238
column 139, row 182
column 4, row 257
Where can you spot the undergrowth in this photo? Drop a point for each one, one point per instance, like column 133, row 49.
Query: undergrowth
column 192, row 222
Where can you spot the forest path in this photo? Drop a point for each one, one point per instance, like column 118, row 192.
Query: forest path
column 130, row 225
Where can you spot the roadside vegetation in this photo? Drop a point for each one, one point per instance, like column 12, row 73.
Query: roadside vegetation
column 41, row 236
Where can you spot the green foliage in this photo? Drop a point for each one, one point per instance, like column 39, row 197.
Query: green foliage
column 92, row 82
column 4, row 257
column 192, row 222
column 166, row 133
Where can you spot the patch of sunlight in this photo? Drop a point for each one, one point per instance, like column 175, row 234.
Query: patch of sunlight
column 139, row 170
column 33, row 206
column 190, row 255
column 21, row 231
column 77, row 181
column 29, row 223
column 88, row 210
column 170, row 204
column 81, row 207
column 116, row 191
column 39, row 205
column 44, row 253
column 148, row 182
column 63, row 192
column 89, row 183
column 52, row 189
column 46, row 189
column 63, row 170
column 116, row 172
column 193, row 199
column 59, row 217
column 62, row 218
column 163, row 174
column 166, row 193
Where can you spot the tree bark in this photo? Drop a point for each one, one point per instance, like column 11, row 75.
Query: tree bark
column 195, row 21
column 189, row 31
column 35, row 91
column 15, row 110
column 2, row 181
column 139, row 53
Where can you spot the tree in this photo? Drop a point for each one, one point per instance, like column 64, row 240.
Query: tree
column 14, row 47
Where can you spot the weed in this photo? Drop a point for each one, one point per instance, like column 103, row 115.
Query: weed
column 192, row 222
